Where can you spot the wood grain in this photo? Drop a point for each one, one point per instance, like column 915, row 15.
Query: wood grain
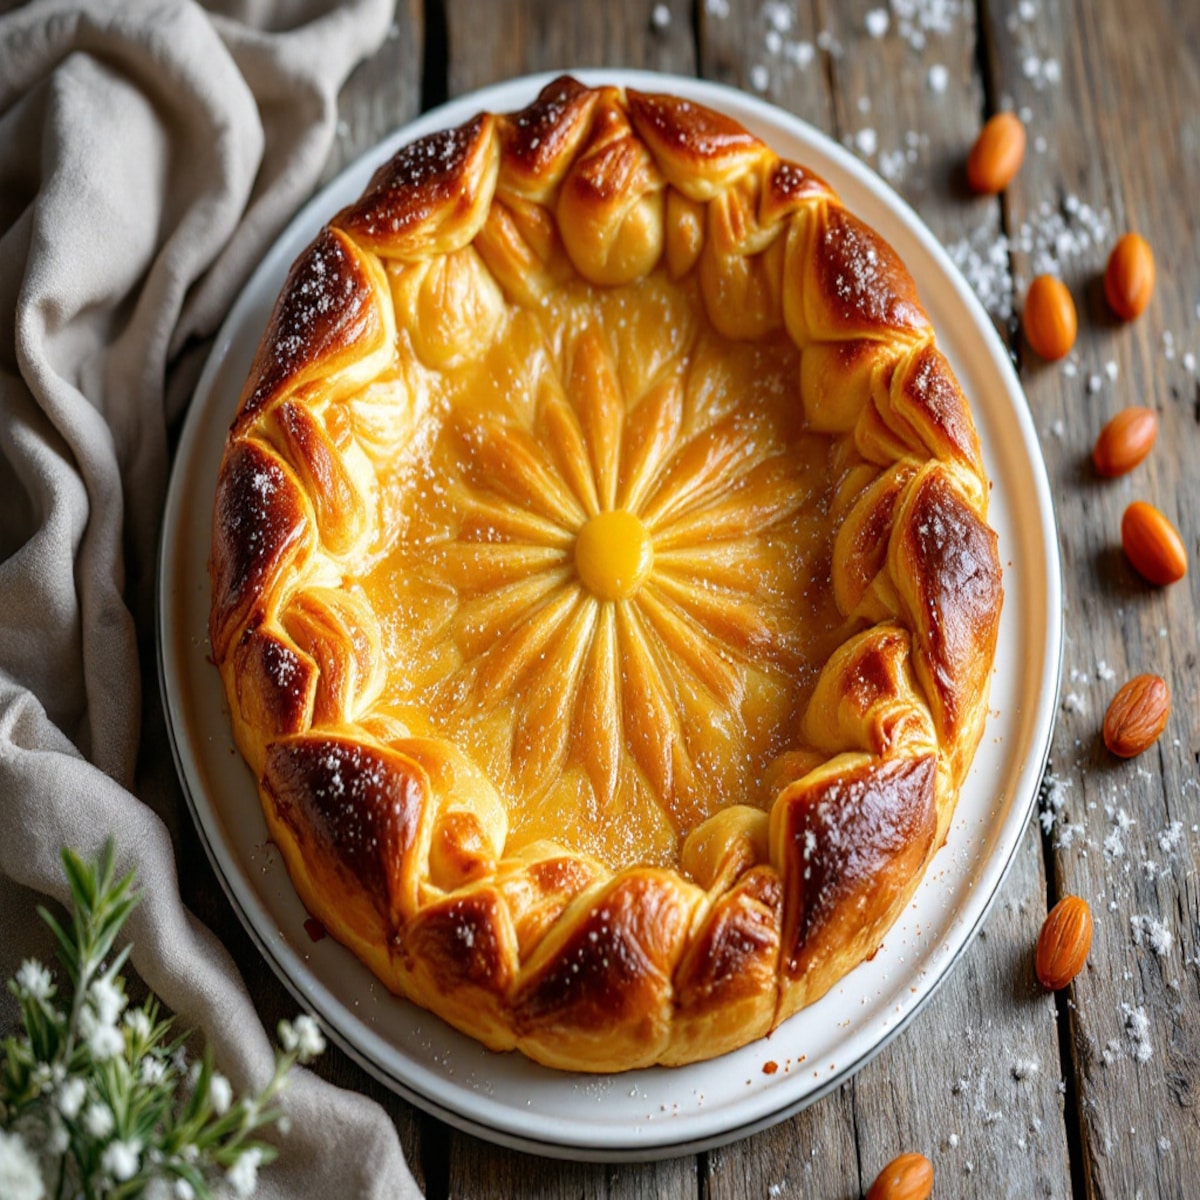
column 1125, row 133
column 383, row 92
column 505, row 38
column 737, row 43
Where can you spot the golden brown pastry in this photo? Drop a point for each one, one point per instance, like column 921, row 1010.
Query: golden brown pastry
column 601, row 582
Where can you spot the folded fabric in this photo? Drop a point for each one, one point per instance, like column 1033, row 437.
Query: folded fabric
column 148, row 153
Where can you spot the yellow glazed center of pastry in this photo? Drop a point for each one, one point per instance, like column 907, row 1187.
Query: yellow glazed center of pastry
column 609, row 583
column 614, row 554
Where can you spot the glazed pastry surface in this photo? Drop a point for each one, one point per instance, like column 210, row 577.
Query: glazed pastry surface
column 601, row 581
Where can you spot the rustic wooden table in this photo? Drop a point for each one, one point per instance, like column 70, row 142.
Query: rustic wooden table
column 1008, row 1091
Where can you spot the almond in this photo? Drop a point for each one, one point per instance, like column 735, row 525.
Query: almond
column 1064, row 942
column 1049, row 317
column 1129, row 276
column 996, row 156
column 909, row 1177
column 1152, row 544
column 1125, row 441
column 1137, row 715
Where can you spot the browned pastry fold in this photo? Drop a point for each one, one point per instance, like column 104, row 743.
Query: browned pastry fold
column 398, row 836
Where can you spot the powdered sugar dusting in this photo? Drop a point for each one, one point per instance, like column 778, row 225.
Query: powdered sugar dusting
column 918, row 20
column 1070, row 239
column 1170, row 838
column 1114, row 842
column 1052, row 800
column 326, row 297
column 1153, row 933
column 876, row 22
column 1137, row 1030
column 1025, row 1068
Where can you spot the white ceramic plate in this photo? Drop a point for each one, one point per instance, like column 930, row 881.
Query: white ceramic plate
column 658, row 1112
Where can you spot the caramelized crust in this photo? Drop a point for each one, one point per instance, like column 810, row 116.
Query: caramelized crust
column 599, row 986
column 395, row 836
column 261, row 530
column 540, row 143
column 726, row 986
column 431, row 198
column 853, row 839
column 329, row 327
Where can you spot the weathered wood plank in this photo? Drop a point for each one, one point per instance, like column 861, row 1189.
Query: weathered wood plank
column 479, row 1169
column 1123, row 135
column 383, row 92
column 974, row 1082
column 770, row 50
column 814, row 1155
column 910, row 113
column 506, row 38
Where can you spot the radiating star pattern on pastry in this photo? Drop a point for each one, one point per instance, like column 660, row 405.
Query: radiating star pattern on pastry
column 683, row 665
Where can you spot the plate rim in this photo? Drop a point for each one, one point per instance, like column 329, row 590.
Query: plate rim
column 655, row 1142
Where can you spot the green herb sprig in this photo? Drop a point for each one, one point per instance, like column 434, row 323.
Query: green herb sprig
column 98, row 1099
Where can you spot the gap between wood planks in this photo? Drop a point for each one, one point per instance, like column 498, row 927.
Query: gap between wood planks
column 435, row 59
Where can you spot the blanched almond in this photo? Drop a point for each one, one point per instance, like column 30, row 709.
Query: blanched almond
column 1152, row 544
column 1049, row 317
column 1064, row 942
column 1129, row 276
column 1125, row 441
column 1137, row 715
column 997, row 154
column 909, row 1177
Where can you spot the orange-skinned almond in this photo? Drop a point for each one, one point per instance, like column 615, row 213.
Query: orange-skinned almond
column 1137, row 715
column 996, row 156
column 1152, row 544
column 1129, row 276
column 909, row 1177
column 1049, row 318
column 1064, row 942
column 1125, row 441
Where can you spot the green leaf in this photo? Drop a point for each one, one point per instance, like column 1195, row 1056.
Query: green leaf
column 118, row 962
column 80, row 880
column 124, row 887
column 105, row 934
column 104, row 865
column 18, row 1086
column 232, row 1123
column 68, row 947
column 195, row 1178
column 164, row 1114
column 41, row 1027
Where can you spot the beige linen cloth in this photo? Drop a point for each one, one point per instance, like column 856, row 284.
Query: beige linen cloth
column 148, row 154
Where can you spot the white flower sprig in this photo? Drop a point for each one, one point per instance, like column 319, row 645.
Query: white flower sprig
column 98, row 1100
